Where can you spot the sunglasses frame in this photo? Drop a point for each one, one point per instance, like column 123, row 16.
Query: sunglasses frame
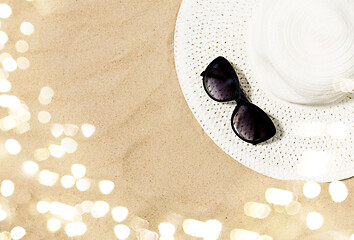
column 240, row 99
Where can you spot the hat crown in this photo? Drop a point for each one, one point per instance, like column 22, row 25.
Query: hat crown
column 304, row 50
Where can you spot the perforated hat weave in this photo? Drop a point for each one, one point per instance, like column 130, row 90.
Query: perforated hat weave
column 312, row 142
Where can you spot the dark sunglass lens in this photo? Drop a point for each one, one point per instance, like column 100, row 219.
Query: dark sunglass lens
column 252, row 123
column 219, row 82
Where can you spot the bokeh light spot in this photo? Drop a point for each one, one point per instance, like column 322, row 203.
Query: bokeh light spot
column 9, row 122
column 257, row 210
column 5, row 10
column 241, row 234
column 67, row 212
column 30, row 168
column 44, row 101
column 338, row 191
column 3, row 73
column 70, row 230
column 80, row 228
column 41, row 154
column 13, row 146
column 48, row 178
column 27, row 28
column 57, row 130
column 83, row 184
column 22, row 46
column 314, row 220
column 44, row 117
column 53, row 224
column 22, row 128
column 87, row 129
column 43, row 206
column 278, row 196
column 67, row 181
column 119, row 214
column 47, row 92
column 212, row 229
column 3, row 37
column 279, row 208
column 7, row 188
column 70, row 129
column 5, row 85
column 146, row 234
column 78, row 170
column 106, row 186
column 2, row 57
column 56, row 151
column 193, row 227
column 122, row 231
column 3, row 216
column 9, row 64
column 21, row 112
column 18, row 232
column 75, row 229
column 87, row 206
column 9, row 101
column 69, row 144
column 311, row 189
column 80, row 209
column 23, row 63
column 167, row 229
column 5, row 236
column 46, row 95
column 293, row 208
column 100, row 209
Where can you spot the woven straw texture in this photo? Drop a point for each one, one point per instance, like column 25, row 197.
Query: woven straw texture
column 312, row 142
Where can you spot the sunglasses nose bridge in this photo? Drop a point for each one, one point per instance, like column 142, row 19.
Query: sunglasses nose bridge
column 241, row 96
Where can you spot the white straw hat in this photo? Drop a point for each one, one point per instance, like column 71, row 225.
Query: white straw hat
column 313, row 142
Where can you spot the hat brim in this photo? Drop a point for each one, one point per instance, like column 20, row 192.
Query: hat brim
column 306, row 146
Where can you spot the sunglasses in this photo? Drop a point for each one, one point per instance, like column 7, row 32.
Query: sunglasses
column 249, row 122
